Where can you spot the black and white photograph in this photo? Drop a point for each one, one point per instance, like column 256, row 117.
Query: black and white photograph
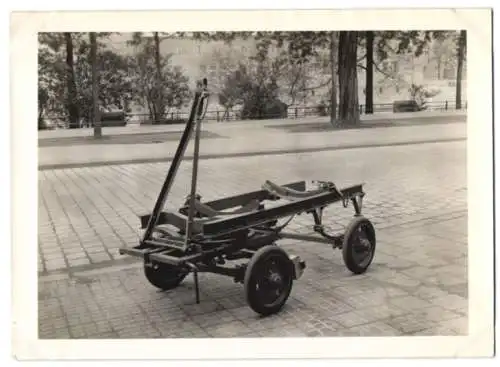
column 302, row 183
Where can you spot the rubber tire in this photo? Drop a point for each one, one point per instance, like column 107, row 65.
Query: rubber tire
column 347, row 254
column 252, row 271
column 165, row 277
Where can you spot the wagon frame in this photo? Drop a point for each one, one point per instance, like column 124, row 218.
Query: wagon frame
column 207, row 236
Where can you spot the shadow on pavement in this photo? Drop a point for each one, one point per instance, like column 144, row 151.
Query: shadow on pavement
column 141, row 138
column 326, row 126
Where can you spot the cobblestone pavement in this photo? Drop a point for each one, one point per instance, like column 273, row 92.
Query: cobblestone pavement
column 416, row 197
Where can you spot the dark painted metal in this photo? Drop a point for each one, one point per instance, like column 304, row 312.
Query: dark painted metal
column 204, row 242
column 181, row 149
column 243, row 199
column 196, row 158
column 247, row 220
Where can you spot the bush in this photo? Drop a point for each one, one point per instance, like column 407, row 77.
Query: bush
column 322, row 109
column 419, row 94
column 271, row 109
column 406, row 106
column 116, row 118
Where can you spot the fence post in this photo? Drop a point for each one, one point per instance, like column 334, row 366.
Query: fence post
column 360, row 109
column 446, row 105
column 218, row 119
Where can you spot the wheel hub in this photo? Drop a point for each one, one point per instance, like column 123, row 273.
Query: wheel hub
column 362, row 247
column 275, row 279
column 364, row 244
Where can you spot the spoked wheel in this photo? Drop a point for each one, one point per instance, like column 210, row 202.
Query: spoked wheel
column 164, row 276
column 358, row 247
column 268, row 280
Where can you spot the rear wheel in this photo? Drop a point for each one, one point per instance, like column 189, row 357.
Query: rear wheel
column 358, row 248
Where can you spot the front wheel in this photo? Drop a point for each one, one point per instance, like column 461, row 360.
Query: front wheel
column 268, row 280
column 358, row 247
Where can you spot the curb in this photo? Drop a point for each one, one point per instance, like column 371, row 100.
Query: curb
column 44, row 167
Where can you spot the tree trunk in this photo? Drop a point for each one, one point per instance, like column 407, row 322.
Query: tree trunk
column 150, row 109
column 41, row 124
column 462, row 44
column 71, row 101
column 348, row 80
column 333, row 85
column 95, row 86
column 369, row 73
column 159, row 104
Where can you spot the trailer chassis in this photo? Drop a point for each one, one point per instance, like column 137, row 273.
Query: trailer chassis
column 212, row 236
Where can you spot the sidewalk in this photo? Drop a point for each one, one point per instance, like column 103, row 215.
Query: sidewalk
column 261, row 137
column 134, row 128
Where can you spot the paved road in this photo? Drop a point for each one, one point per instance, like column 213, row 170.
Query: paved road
column 416, row 196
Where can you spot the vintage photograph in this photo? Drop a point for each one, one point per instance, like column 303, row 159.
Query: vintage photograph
column 252, row 184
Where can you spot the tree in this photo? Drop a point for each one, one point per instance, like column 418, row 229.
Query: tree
column 302, row 49
column 71, row 98
column 95, row 85
column 144, row 78
column 417, row 42
column 348, row 78
column 233, row 89
column 114, row 86
column 278, row 67
column 462, row 45
column 289, row 66
column 51, row 75
column 223, row 78
column 369, row 72
column 305, row 47
column 112, row 78
column 54, row 74
column 381, row 45
column 150, row 46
